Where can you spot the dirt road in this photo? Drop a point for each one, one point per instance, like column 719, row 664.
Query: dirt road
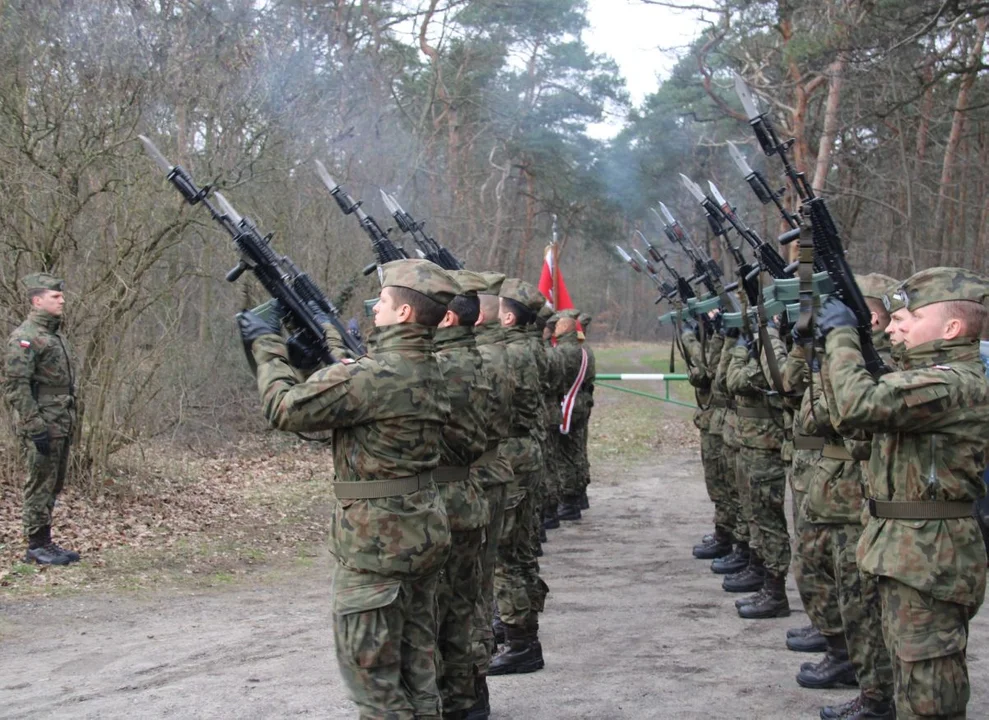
column 634, row 628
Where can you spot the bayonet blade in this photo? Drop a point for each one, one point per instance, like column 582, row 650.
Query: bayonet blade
column 719, row 198
column 739, row 159
column 328, row 180
column 622, row 254
column 745, row 95
column 670, row 220
column 227, row 209
column 644, row 260
column 389, row 202
column 160, row 161
column 693, row 188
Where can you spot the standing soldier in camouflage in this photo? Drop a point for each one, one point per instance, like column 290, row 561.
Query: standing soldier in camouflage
column 389, row 532
column 519, row 591
column 463, row 444
column 493, row 470
column 551, row 449
column 586, row 399
column 573, row 373
column 929, row 423
column 39, row 386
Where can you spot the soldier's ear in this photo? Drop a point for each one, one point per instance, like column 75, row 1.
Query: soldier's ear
column 953, row 328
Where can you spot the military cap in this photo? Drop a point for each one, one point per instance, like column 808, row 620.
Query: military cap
column 523, row 292
column 892, row 301
column 471, row 283
column 546, row 312
column 939, row 284
column 584, row 319
column 494, row 281
column 569, row 313
column 874, row 285
column 43, row 281
column 422, row 276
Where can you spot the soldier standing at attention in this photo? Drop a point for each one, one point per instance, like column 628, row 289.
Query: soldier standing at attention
column 929, row 422
column 39, row 385
column 586, row 401
column 573, row 372
column 389, row 532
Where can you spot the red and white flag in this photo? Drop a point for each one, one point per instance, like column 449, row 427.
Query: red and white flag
column 550, row 286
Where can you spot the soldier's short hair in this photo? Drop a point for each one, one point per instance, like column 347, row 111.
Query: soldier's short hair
column 425, row 310
column 523, row 315
column 971, row 314
column 36, row 292
column 876, row 305
column 467, row 308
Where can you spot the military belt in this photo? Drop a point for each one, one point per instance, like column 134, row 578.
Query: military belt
column 450, row 474
column 717, row 402
column 835, row 452
column 519, row 433
column 52, row 390
column 368, row 489
column 755, row 412
column 920, row 510
column 807, row 442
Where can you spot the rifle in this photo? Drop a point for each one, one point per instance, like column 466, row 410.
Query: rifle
column 641, row 265
column 427, row 246
column 384, row 249
column 761, row 188
column 705, row 269
column 827, row 245
column 684, row 289
column 281, row 277
column 767, row 256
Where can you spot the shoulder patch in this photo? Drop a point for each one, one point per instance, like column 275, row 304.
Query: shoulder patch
column 24, row 343
column 347, row 361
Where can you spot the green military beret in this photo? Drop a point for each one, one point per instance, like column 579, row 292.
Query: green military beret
column 874, row 285
column 43, row 281
column 939, row 284
column 523, row 292
column 422, row 276
column 471, row 283
column 494, row 281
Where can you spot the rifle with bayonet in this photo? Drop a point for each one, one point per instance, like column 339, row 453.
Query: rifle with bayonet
column 767, row 256
column 428, row 248
column 684, row 289
column 294, row 290
column 385, row 250
column 642, row 265
column 706, row 270
column 828, row 248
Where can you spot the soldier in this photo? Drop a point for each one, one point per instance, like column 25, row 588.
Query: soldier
column 586, row 401
column 493, row 470
column 574, row 372
column 463, row 444
column 553, row 395
column 39, row 385
column 389, row 531
column 929, row 423
column 519, row 591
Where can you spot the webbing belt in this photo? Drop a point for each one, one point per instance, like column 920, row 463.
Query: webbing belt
column 835, row 452
column 450, row 474
column 807, row 442
column 920, row 510
column 368, row 489
column 755, row 412
column 50, row 390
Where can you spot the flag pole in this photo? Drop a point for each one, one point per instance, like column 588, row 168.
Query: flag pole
column 555, row 254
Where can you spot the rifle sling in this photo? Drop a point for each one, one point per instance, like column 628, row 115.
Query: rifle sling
column 920, row 510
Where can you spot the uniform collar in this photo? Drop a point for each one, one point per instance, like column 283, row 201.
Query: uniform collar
column 45, row 319
column 940, row 352
column 404, row 336
column 457, row 336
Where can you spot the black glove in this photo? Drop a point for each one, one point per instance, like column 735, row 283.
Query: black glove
column 318, row 315
column 748, row 342
column 690, row 326
column 718, row 323
column 301, row 354
column 42, row 443
column 834, row 314
column 733, row 332
column 252, row 326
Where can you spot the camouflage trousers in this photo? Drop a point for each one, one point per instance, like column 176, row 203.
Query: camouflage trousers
column 457, row 592
column 764, row 480
column 741, row 496
column 482, row 636
column 927, row 639
column 384, row 630
column 585, row 463
column 45, row 480
column 570, row 451
column 551, row 464
column 841, row 600
column 720, row 488
column 519, row 591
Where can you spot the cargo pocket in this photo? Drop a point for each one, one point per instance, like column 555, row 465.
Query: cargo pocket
column 932, row 671
column 367, row 619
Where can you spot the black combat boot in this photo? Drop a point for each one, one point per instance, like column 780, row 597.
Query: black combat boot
column 482, row 708
column 773, row 602
column 498, row 628
column 41, row 549
column 72, row 555
column 456, row 714
column 569, row 507
column 833, row 671
column 749, row 580
column 719, row 547
column 707, row 539
column 734, row 562
column 543, row 537
column 801, row 631
column 811, row 641
column 861, row 708
column 585, row 502
column 523, row 652
column 551, row 521
column 749, row 599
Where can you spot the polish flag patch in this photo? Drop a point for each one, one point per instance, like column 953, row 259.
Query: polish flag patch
column 25, row 343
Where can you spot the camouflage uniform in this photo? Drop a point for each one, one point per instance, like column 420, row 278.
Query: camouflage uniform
column 39, row 387
column 930, row 421
column 571, row 444
column 463, row 443
column 586, row 400
column 389, row 531
column 551, row 447
column 729, row 438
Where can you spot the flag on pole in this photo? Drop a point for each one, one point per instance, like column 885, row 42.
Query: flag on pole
column 551, row 281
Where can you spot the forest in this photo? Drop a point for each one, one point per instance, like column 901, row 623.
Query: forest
column 475, row 114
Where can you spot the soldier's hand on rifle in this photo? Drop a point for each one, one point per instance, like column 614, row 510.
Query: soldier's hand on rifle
column 733, row 332
column 748, row 342
column 42, row 442
column 834, row 314
column 252, row 326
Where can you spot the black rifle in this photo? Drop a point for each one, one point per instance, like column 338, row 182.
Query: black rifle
column 428, row 247
column 384, row 249
column 828, row 248
column 284, row 281
column 761, row 188
column 767, row 256
column 683, row 286
column 642, row 265
column 705, row 269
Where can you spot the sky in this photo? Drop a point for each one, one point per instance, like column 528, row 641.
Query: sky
column 643, row 39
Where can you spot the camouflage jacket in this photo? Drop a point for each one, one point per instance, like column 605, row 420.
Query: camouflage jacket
column 930, row 421
column 748, row 384
column 464, row 437
column 537, row 350
column 39, row 383
column 585, row 398
column 729, row 423
column 494, row 470
column 571, row 357
column 790, row 403
column 528, row 406
column 556, row 361
column 387, row 411
column 710, row 412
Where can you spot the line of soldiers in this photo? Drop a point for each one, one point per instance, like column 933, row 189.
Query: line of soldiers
column 448, row 455
column 888, row 559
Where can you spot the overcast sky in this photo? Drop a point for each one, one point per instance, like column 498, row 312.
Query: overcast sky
column 643, row 39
